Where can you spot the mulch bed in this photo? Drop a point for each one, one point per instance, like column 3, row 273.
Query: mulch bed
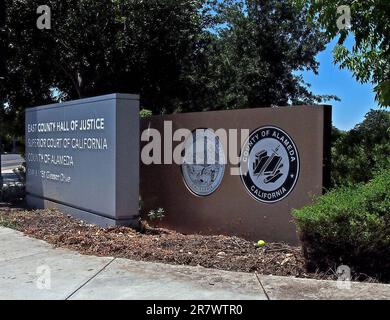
column 161, row 245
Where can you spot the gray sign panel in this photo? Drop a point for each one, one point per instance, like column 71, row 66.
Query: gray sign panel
column 83, row 158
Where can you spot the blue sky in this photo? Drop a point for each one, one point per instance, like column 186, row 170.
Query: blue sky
column 356, row 98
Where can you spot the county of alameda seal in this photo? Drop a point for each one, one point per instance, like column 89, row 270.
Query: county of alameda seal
column 269, row 164
column 204, row 162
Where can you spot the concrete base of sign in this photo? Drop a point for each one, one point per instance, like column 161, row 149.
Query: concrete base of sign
column 90, row 217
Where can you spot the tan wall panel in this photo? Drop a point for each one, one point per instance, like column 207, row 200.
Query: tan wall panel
column 230, row 209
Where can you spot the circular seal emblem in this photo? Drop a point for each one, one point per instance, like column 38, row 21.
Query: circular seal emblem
column 269, row 164
column 204, row 162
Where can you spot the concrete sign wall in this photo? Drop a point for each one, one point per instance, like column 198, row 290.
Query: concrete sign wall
column 285, row 161
column 83, row 158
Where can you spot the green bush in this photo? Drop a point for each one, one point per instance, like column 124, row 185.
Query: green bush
column 349, row 225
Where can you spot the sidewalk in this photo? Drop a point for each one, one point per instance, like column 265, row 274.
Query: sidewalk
column 32, row 269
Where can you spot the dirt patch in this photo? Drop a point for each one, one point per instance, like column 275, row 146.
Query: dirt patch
column 161, row 245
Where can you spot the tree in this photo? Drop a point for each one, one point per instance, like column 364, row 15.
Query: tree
column 261, row 46
column 99, row 47
column 2, row 75
column 359, row 153
column 369, row 58
column 175, row 54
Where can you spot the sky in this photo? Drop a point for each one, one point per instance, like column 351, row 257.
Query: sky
column 356, row 98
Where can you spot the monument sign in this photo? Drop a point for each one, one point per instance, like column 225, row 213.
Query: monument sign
column 282, row 163
column 83, row 158
column 234, row 172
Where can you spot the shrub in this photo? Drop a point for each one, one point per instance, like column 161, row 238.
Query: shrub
column 349, row 225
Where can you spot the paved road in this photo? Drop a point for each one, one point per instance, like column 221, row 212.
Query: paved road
column 10, row 161
column 32, row 269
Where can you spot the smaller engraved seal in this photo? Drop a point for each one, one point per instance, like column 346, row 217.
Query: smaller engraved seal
column 204, row 162
column 269, row 164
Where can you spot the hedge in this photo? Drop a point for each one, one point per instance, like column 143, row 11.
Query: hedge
column 351, row 226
